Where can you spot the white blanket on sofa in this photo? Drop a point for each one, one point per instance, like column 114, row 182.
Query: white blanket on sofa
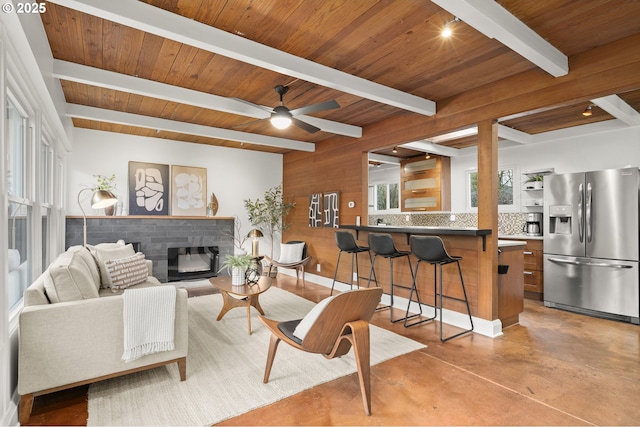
column 149, row 319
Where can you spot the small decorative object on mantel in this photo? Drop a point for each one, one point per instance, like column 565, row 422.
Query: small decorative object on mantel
column 106, row 184
column 212, row 207
column 236, row 265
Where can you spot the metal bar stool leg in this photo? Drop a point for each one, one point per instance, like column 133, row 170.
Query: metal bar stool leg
column 392, row 285
column 466, row 300
column 335, row 274
column 415, row 288
column 372, row 272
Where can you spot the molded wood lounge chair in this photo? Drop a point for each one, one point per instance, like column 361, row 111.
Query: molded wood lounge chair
column 288, row 260
column 331, row 328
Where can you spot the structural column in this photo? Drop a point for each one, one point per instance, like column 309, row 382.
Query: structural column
column 488, row 218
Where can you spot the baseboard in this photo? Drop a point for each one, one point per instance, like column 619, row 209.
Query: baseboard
column 489, row 328
column 10, row 417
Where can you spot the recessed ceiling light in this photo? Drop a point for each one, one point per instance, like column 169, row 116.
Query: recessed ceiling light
column 447, row 30
column 588, row 111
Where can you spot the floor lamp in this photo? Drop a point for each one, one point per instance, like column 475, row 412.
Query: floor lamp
column 100, row 199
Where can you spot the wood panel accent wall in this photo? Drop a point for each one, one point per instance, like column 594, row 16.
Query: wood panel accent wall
column 339, row 164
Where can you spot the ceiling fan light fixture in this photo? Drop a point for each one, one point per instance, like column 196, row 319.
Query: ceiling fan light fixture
column 281, row 118
column 588, row 111
column 280, row 122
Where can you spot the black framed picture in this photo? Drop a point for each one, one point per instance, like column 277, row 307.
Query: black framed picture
column 149, row 186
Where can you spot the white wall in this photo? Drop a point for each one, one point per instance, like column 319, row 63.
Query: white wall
column 232, row 174
column 598, row 150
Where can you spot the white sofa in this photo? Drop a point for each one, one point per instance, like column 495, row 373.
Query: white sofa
column 71, row 330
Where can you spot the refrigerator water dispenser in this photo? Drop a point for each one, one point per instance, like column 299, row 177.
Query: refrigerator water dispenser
column 560, row 219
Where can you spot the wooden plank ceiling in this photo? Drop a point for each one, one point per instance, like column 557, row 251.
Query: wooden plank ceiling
column 393, row 43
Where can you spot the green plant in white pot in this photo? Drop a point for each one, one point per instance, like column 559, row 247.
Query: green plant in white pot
column 267, row 214
column 236, row 266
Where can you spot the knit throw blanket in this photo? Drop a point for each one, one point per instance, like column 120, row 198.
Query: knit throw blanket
column 149, row 317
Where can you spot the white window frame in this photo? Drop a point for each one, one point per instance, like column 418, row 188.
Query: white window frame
column 515, row 207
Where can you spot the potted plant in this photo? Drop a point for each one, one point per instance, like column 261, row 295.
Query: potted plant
column 267, row 214
column 106, row 183
column 536, row 182
column 236, row 265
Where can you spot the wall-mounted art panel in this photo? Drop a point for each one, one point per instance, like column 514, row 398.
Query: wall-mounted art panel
column 315, row 210
column 148, row 189
column 188, row 191
column 331, row 209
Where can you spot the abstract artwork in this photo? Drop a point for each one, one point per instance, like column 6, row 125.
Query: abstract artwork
column 148, row 189
column 331, row 209
column 315, row 210
column 188, row 191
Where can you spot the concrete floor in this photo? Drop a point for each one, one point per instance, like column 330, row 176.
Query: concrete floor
column 554, row 368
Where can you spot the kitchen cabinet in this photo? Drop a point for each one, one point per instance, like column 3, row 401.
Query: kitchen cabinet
column 533, row 273
column 510, row 287
column 533, row 267
column 426, row 183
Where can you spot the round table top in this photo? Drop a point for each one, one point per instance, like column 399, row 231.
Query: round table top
column 224, row 284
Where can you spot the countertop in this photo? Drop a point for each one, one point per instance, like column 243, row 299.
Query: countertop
column 506, row 243
column 415, row 229
column 519, row 237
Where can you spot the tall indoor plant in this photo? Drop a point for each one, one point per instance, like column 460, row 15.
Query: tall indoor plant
column 268, row 213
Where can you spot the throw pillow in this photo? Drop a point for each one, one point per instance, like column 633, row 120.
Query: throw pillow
column 103, row 255
column 291, row 252
column 307, row 321
column 127, row 272
column 89, row 261
column 69, row 279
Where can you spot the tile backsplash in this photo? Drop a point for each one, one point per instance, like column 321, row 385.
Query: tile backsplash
column 508, row 223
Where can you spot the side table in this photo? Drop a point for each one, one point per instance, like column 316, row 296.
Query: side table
column 248, row 295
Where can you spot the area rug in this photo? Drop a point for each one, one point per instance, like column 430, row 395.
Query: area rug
column 225, row 368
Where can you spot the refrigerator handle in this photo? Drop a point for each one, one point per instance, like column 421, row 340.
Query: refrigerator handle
column 590, row 264
column 588, row 212
column 580, row 219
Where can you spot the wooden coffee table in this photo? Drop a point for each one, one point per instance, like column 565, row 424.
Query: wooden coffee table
column 248, row 295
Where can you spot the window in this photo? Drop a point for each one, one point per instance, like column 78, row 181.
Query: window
column 19, row 225
column 506, row 194
column 387, row 197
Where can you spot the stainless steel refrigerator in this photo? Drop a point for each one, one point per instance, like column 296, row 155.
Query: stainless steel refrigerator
column 592, row 244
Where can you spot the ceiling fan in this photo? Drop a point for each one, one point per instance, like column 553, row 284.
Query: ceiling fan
column 282, row 117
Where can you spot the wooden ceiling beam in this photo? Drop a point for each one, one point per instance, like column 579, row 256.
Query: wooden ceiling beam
column 193, row 33
column 65, row 70
column 619, row 109
column 118, row 117
column 602, row 71
column 496, row 22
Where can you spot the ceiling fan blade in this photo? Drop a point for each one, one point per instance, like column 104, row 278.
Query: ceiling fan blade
column 241, row 125
column 262, row 107
column 314, row 108
column 304, row 125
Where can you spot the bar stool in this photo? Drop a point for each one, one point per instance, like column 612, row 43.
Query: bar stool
column 347, row 243
column 381, row 244
column 431, row 249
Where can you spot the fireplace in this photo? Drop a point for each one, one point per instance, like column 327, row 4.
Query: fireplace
column 192, row 263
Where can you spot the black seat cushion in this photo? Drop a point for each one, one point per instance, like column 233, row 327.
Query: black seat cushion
column 288, row 327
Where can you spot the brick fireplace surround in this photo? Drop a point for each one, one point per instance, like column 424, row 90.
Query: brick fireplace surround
column 155, row 234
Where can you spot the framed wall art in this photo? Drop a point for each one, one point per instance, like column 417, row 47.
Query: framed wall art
column 188, row 191
column 331, row 209
column 315, row 210
column 148, row 188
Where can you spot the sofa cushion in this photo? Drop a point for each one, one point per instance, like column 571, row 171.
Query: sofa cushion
column 88, row 259
column 112, row 253
column 69, row 279
column 127, row 272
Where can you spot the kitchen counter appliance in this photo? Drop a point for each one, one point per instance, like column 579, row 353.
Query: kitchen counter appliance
column 591, row 243
column 533, row 224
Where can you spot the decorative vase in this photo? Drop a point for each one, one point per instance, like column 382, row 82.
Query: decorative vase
column 110, row 210
column 237, row 277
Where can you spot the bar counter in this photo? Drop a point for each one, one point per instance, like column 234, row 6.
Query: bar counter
column 488, row 299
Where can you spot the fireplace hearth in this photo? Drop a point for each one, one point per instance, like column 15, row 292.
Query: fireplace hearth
column 199, row 262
